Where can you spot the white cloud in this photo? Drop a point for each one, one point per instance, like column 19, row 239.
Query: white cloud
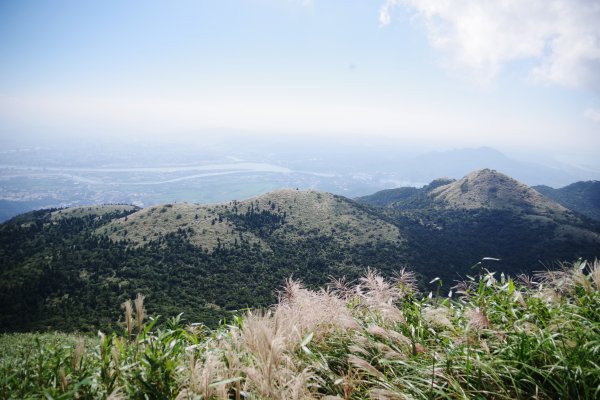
column 592, row 113
column 560, row 37
column 385, row 16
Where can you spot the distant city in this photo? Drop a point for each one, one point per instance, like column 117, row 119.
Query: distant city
column 52, row 176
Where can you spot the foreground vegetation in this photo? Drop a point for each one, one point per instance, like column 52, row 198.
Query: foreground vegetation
column 491, row 337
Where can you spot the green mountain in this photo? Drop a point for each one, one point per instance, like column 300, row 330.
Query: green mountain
column 71, row 269
column 455, row 223
column 582, row 197
column 482, row 189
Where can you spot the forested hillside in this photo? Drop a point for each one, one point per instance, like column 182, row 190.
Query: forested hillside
column 583, row 197
column 63, row 271
column 71, row 269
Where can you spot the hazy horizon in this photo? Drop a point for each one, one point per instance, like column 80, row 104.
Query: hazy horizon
column 508, row 75
column 113, row 101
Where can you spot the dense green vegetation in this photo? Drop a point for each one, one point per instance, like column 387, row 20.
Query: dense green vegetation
column 386, row 197
column 583, row 197
column 491, row 337
column 59, row 274
column 403, row 197
column 446, row 239
column 454, row 239
column 70, row 270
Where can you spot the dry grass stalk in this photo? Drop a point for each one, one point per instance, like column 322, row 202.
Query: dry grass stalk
column 564, row 280
column 406, row 281
column 272, row 373
column 595, row 273
column 388, row 334
column 301, row 311
column 359, row 350
column 386, row 394
column 518, row 298
column 348, row 384
column 232, row 352
column 549, row 295
column 272, row 338
column 377, row 290
column 64, row 382
column 464, row 288
column 478, row 319
column 115, row 355
column 203, row 376
column 117, row 394
column 526, row 327
column 382, row 347
column 341, row 288
column 526, row 281
column 102, row 337
column 391, row 314
column 262, row 351
column 128, row 317
column 379, row 296
column 78, row 353
column 140, row 313
column 364, row 366
column 581, row 279
column 207, row 372
column 438, row 317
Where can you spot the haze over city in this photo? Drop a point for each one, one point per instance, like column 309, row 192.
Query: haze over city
column 519, row 75
column 145, row 102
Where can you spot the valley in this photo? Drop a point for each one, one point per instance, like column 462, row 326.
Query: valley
column 145, row 174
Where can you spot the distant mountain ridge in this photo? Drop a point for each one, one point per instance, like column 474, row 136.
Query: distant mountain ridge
column 59, row 177
column 459, row 162
column 583, row 197
column 490, row 189
column 72, row 268
column 484, row 188
column 487, row 212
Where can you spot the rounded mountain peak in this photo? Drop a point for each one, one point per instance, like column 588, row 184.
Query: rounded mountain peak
column 487, row 188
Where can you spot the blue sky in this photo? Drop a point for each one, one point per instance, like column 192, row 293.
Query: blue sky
column 509, row 74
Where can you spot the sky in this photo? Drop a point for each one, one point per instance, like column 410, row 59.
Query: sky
column 510, row 74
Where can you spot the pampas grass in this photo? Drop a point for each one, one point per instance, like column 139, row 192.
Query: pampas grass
column 128, row 317
column 140, row 312
column 376, row 339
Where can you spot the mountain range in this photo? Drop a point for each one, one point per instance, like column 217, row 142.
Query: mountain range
column 70, row 269
column 583, row 197
column 456, row 163
column 67, row 175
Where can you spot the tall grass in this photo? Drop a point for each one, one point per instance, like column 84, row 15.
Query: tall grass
column 492, row 337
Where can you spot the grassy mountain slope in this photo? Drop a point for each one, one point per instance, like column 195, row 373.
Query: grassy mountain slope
column 71, row 269
column 280, row 215
column 493, row 190
column 488, row 214
column 97, row 211
column 582, row 197
column 67, row 270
